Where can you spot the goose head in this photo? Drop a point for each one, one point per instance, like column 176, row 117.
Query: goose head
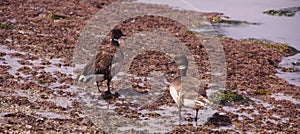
column 182, row 63
column 116, row 34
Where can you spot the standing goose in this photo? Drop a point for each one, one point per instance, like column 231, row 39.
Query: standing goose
column 106, row 63
column 187, row 91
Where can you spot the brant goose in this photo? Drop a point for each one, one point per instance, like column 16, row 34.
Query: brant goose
column 105, row 64
column 187, row 91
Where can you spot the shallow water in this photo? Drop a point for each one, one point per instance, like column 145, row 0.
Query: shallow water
column 51, row 115
column 281, row 96
column 165, row 122
column 242, row 115
column 12, row 61
column 273, row 28
column 267, row 105
column 294, row 77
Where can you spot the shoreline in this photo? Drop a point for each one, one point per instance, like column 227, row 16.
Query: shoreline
column 37, row 96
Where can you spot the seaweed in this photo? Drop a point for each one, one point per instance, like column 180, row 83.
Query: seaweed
column 218, row 19
column 189, row 32
column 296, row 63
column 288, row 69
column 225, row 97
column 279, row 47
column 154, row 115
column 288, row 12
column 263, row 92
column 5, row 26
column 56, row 16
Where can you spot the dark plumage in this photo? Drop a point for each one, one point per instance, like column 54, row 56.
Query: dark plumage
column 106, row 63
column 187, row 91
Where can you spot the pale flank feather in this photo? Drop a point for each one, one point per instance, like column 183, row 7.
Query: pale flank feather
column 187, row 91
column 106, row 63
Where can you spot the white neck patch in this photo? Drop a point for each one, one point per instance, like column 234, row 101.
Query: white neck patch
column 182, row 67
column 115, row 40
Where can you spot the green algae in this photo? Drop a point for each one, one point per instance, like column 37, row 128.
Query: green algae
column 278, row 47
column 288, row 12
column 189, row 32
column 218, row 19
column 288, row 69
column 4, row 26
column 154, row 115
column 56, row 16
column 263, row 92
column 225, row 97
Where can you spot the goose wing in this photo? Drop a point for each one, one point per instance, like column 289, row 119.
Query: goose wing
column 193, row 87
column 99, row 64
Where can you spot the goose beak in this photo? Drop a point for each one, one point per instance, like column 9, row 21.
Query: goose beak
column 171, row 62
column 172, row 56
column 123, row 35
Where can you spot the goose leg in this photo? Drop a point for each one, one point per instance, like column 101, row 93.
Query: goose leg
column 179, row 113
column 197, row 110
column 98, row 86
column 108, row 85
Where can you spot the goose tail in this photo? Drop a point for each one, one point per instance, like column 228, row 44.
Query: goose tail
column 84, row 78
